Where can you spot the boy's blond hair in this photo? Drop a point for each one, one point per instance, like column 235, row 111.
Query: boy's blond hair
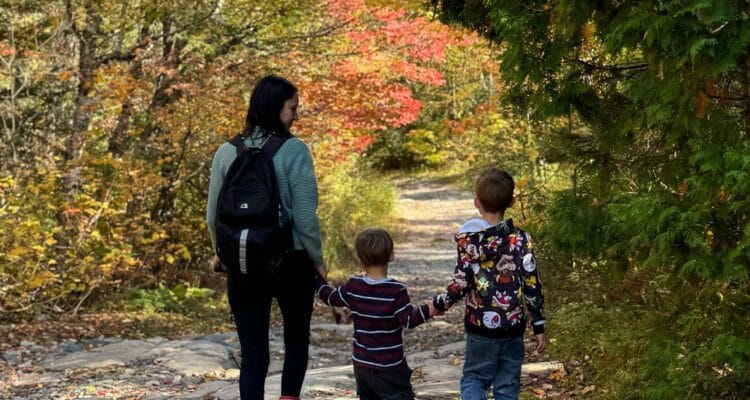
column 494, row 189
column 374, row 247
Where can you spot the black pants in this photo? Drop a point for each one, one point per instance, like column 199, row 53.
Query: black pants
column 374, row 384
column 250, row 299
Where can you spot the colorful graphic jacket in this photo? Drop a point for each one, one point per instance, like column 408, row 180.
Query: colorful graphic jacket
column 496, row 272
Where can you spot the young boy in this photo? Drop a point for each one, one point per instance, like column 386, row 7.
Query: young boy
column 496, row 271
column 380, row 308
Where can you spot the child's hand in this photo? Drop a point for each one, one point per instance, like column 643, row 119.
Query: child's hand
column 433, row 311
column 541, row 341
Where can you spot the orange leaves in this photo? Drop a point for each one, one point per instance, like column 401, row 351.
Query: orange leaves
column 345, row 9
column 6, row 51
column 702, row 99
column 701, row 102
column 64, row 76
column 388, row 52
column 556, row 375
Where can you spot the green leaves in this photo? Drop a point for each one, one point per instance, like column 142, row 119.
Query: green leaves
column 657, row 98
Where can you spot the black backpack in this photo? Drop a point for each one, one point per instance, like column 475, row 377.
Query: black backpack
column 250, row 235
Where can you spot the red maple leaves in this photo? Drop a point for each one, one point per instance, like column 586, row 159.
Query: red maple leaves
column 388, row 53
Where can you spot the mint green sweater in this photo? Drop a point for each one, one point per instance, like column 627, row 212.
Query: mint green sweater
column 297, row 187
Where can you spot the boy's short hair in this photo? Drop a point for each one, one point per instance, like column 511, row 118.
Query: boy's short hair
column 374, row 247
column 494, row 189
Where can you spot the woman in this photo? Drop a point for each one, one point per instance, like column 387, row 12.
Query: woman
column 273, row 109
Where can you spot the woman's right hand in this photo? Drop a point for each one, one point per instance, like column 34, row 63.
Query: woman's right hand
column 215, row 264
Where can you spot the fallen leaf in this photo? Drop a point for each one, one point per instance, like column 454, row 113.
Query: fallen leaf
column 538, row 391
column 556, row 375
column 455, row 362
column 588, row 389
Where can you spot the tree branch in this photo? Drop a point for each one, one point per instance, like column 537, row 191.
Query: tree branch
column 616, row 67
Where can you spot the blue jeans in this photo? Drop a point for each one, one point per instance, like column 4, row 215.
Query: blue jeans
column 492, row 362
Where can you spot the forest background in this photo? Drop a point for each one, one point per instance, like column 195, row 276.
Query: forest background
column 625, row 124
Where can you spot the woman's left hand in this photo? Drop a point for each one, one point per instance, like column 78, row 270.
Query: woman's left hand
column 323, row 270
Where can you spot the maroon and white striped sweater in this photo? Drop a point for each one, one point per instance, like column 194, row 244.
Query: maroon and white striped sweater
column 380, row 309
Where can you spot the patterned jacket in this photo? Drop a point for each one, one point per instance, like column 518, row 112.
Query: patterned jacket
column 497, row 273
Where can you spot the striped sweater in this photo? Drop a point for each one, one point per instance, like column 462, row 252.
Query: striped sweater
column 380, row 310
column 297, row 187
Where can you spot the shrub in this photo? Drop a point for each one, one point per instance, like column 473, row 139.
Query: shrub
column 352, row 199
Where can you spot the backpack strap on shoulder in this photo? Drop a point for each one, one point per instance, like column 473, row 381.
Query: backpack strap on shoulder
column 273, row 144
column 239, row 143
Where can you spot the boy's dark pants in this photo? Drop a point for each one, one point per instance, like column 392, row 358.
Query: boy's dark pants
column 375, row 384
column 250, row 299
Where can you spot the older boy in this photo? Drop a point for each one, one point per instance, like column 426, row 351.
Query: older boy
column 496, row 271
column 380, row 308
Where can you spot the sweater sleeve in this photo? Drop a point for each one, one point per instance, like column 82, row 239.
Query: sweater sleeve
column 407, row 315
column 223, row 158
column 332, row 296
column 463, row 277
column 532, row 287
column 304, row 201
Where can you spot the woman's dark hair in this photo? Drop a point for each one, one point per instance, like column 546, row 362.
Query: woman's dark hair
column 266, row 103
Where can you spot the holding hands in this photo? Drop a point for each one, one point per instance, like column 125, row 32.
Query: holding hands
column 433, row 311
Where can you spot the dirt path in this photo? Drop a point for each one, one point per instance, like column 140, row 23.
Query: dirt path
column 203, row 368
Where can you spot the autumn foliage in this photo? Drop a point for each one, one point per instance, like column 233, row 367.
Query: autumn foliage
column 111, row 112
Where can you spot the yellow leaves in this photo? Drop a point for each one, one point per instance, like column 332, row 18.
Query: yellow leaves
column 130, row 261
column 169, row 258
column 36, row 282
column 6, row 182
column 19, row 252
column 185, row 253
column 588, row 31
column 41, row 279
column 106, row 269
column 709, row 237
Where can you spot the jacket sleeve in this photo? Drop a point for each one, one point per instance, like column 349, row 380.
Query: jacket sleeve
column 463, row 277
column 407, row 315
column 223, row 158
column 332, row 296
column 304, row 191
column 532, row 286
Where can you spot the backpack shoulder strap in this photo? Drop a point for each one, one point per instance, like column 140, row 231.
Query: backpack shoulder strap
column 273, row 144
column 239, row 143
